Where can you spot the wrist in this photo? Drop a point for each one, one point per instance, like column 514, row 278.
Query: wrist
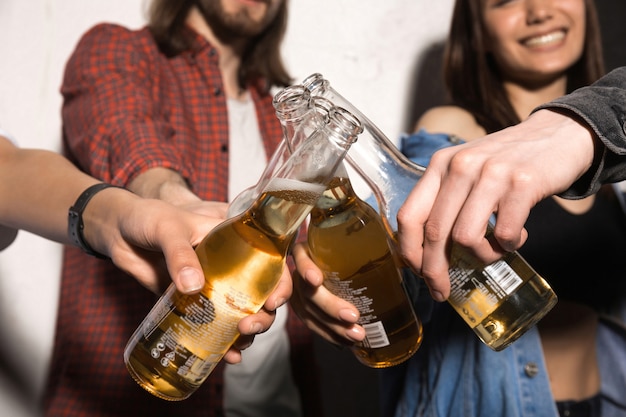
column 76, row 220
column 580, row 146
column 176, row 193
column 163, row 184
column 576, row 134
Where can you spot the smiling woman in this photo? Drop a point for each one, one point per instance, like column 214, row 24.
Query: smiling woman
column 487, row 46
column 503, row 59
column 528, row 40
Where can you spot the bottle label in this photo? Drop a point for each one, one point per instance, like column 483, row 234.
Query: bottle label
column 477, row 292
column 160, row 310
column 502, row 278
column 210, row 325
column 375, row 334
column 194, row 331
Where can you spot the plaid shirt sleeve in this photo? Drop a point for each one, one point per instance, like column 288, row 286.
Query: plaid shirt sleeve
column 112, row 120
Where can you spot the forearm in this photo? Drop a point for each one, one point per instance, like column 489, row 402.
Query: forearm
column 37, row 187
column 114, row 126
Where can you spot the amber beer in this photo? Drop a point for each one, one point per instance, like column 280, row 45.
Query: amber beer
column 184, row 336
column 349, row 243
column 499, row 301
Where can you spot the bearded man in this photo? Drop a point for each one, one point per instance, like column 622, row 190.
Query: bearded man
column 180, row 111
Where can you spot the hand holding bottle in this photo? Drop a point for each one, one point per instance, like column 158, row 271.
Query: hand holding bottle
column 332, row 317
column 184, row 336
column 499, row 301
column 507, row 172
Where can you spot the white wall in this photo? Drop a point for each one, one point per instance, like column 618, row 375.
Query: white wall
column 368, row 49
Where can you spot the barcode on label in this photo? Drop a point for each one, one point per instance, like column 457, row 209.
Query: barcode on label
column 375, row 335
column 504, row 276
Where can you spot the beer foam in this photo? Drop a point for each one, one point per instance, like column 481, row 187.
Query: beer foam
column 281, row 184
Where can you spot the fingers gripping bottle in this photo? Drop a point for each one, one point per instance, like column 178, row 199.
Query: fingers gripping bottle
column 349, row 243
column 184, row 336
column 500, row 301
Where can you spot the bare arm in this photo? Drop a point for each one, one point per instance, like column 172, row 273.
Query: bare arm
column 37, row 188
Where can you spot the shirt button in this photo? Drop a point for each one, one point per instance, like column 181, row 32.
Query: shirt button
column 531, row 369
column 224, row 148
column 217, row 91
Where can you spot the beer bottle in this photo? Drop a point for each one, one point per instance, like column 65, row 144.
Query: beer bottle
column 184, row 336
column 298, row 118
column 348, row 242
column 499, row 301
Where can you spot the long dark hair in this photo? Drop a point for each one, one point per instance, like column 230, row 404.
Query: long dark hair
column 466, row 58
column 261, row 59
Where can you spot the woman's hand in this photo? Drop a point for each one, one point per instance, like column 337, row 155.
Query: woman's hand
column 328, row 315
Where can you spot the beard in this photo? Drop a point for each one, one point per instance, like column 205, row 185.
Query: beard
column 228, row 27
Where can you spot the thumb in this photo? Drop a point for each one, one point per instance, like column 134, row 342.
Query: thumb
column 184, row 268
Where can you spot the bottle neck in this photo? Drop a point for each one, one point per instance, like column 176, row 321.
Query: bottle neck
column 293, row 108
column 339, row 191
column 294, row 189
column 390, row 175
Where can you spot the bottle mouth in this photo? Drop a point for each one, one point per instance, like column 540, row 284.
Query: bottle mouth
column 292, row 101
column 316, row 84
column 342, row 120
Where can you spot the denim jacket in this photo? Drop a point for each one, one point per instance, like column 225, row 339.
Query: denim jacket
column 455, row 374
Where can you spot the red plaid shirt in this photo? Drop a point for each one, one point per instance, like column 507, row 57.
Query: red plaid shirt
column 127, row 109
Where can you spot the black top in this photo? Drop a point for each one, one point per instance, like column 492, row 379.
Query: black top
column 582, row 256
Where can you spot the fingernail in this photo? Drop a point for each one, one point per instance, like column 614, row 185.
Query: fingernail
column 280, row 302
column 313, row 277
column 190, row 279
column 348, row 315
column 255, row 328
column 355, row 334
column 437, row 296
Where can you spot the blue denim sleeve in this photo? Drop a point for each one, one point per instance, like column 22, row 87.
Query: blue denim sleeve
column 419, row 147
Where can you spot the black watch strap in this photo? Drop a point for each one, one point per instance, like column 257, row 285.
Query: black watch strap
column 75, row 224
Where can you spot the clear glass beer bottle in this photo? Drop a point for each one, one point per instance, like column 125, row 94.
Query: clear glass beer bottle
column 358, row 262
column 349, row 243
column 297, row 114
column 183, row 337
column 500, row 301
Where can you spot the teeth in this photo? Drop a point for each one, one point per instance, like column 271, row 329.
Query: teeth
column 545, row 39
